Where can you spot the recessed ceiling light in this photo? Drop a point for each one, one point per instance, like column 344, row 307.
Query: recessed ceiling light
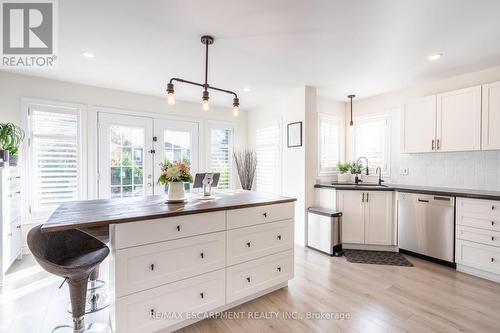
column 246, row 89
column 435, row 56
column 88, row 54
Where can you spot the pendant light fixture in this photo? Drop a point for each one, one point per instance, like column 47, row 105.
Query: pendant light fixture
column 351, row 97
column 205, row 40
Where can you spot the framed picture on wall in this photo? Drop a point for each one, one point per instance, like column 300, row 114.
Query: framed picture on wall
column 294, row 134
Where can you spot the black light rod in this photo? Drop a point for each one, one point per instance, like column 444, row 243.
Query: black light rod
column 203, row 86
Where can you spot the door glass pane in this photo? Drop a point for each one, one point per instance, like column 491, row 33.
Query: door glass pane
column 177, row 147
column 126, row 161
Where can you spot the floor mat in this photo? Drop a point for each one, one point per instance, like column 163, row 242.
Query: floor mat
column 376, row 258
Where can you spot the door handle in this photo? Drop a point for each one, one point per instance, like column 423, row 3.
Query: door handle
column 437, row 144
column 363, row 197
column 367, row 196
column 422, row 200
column 432, row 144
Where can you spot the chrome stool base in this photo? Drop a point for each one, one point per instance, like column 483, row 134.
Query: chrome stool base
column 91, row 328
column 96, row 301
column 95, row 284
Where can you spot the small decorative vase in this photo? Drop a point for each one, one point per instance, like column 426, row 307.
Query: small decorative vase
column 176, row 191
column 343, row 177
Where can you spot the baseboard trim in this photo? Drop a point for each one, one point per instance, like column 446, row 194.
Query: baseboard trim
column 390, row 248
column 479, row 273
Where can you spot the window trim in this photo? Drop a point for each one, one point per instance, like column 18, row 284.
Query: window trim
column 277, row 123
column 387, row 139
column 211, row 124
column 338, row 120
column 26, row 156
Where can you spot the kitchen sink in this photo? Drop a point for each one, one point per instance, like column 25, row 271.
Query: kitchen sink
column 359, row 185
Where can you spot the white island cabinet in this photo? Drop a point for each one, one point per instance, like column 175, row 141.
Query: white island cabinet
column 170, row 272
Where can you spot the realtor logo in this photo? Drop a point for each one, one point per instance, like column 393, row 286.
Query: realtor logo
column 28, row 33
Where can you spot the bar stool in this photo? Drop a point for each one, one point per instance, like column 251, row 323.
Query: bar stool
column 73, row 255
column 96, row 299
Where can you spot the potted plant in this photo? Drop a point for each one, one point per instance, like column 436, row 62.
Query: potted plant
column 356, row 169
column 343, row 176
column 11, row 137
column 175, row 175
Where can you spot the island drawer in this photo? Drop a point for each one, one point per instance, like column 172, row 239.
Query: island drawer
column 158, row 230
column 245, row 217
column 254, row 242
column 491, row 223
column 478, row 207
column 480, row 256
column 160, row 308
column 144, row 267
column 251, row 277
column 482, row 236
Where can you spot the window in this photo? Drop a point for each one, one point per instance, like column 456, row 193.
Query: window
column 329, row 144
column 268, row 159
column 371, row 140
column 54, row 158
column 221, row 154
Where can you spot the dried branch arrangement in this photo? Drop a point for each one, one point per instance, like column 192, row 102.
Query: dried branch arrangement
column 246, row 164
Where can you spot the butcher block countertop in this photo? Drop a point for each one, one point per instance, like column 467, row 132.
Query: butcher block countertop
column 101, row 213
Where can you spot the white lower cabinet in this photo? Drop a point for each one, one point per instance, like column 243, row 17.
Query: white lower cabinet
column 251, row 277
column 167, row 305
column 367, row 217
column 477, row 245
column 171, row 272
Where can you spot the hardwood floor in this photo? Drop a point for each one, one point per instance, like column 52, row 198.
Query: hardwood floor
column 423, row 298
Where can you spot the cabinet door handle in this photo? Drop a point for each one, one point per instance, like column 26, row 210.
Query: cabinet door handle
column 367, row 196
column 492, row 259
column 492, row 222
column 152, row 266
column 492, row 207
column 248, row 279
column 249, row 244
column 437, row 145
column 279, row 269
column 178, row 228
column 363, row 197
column 202, row 255
column 433, row 144
column 492, row 238
column 279, row 237
column 265, row 214
column 152, row 312
column 202, row 295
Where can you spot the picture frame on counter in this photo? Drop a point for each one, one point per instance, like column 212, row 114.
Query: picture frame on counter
column 294, row 134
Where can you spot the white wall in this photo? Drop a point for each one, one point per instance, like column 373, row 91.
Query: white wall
column 475, row 170
column 286, row 109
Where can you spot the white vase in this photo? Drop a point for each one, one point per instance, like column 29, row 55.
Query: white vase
column 343, row 178
column 176, row 191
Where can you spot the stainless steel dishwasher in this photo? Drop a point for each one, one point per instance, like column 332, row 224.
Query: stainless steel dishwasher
column 426, row 226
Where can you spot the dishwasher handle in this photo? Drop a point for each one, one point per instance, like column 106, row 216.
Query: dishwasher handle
column 422, row 200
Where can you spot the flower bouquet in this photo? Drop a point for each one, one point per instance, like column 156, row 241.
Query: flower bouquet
column 175, row 175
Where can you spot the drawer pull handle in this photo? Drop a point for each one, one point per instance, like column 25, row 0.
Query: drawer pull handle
column 265, row 214
column 492, row 222
column 18, row 227
column 202, row 255
column 152, row 267
column 201, row 295
column 492, row 207
column 248, row 279
column 279, row 237
column 492, row 259
column 492, row 238
column 178, row 228
column 249, row 244
column 152, row 312
column 279, row 269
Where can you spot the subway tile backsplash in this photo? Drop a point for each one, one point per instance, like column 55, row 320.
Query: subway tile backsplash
column 474, row 170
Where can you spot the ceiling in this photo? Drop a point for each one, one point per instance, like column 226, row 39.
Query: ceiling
column 341, row 47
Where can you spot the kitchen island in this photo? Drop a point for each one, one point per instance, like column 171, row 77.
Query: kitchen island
column 174, row 264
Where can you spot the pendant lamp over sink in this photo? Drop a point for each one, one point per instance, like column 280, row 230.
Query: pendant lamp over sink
column 351, row 97
column 205, row 40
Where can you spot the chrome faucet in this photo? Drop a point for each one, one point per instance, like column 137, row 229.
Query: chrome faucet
column 357, row 162
column 378, row 172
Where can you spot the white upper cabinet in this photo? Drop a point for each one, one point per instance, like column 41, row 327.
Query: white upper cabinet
column 418, row 125
column 491, row 116
column 459, row 120
column 441, row 123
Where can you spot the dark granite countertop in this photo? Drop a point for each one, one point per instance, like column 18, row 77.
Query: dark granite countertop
column 102, row 213
column 455, row 192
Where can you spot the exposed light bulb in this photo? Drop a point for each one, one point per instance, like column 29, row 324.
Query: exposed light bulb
column 205, row 105
column 171, row 98
column 236, row 111
column 435, row 56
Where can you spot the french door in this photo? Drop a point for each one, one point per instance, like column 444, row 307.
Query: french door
column 125, row 158
column 131, row 149
column 176, row 141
